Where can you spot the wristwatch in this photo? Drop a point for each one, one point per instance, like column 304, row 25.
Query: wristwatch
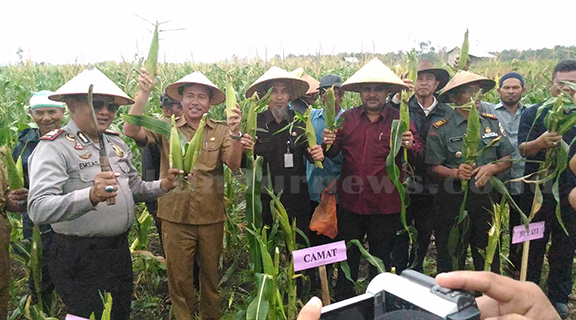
column 238, row 137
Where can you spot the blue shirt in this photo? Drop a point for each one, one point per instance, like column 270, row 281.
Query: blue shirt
column 510, row 122
column 318, row 179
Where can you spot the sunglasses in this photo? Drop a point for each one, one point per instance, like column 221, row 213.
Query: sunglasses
column 99, row 104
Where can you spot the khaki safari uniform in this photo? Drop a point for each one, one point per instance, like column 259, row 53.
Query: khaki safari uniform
column 89, row 252
column 4, row 240
column 444, row 147
column 193, row 220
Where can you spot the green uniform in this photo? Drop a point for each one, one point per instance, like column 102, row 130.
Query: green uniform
column 444, row 148
column 4, row 240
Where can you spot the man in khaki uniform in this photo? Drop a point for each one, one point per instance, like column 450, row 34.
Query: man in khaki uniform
column 193, row 221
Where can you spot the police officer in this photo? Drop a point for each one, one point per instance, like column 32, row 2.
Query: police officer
column 425, row 110
column 89, row 253
column 444, row 155
column 47, row 115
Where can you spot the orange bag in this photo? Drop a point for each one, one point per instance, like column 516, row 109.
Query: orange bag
column 324, row 219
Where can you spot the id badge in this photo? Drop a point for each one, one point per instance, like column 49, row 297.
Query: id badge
column 288, row 160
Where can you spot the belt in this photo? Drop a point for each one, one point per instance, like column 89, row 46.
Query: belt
column 94, row 243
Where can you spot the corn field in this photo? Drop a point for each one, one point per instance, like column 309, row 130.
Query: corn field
column 19, row 82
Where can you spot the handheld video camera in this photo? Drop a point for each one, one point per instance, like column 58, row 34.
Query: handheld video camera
column 388, row 293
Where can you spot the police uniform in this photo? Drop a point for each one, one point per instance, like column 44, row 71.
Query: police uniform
column 4, row 240
column 444, row 148
column 90, row 251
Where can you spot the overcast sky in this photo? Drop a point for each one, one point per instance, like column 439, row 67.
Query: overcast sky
column 66, row 31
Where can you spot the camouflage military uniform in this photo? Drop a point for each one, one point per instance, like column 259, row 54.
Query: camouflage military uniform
column 444, row 148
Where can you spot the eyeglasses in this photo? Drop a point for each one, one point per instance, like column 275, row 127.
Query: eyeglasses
column 99, row 104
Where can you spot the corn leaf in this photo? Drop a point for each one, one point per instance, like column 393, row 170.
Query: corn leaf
column 258, row 308
column 311, row 135
column 15, row 175
column 373, row 260
column 398, row 127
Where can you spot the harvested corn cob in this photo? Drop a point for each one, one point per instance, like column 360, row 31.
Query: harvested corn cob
column 195, row 146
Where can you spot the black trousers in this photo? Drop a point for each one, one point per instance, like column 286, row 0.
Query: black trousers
column 447, row 206
column 420, row 213
column 561, row 251
column 381, row 232
column 83, row 268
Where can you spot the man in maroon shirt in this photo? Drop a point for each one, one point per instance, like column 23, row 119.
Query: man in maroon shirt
column 369, row 202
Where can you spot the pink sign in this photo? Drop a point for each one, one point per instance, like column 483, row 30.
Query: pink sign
column 73, row 317
column 535, row 231
column 319, row 255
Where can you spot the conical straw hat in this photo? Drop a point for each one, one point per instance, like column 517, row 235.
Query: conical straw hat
column 374, row 72
column 464, row 77
column 196, row 78
column 102, row 85
column 442, row 76
column 298, row 86
column 313, row 84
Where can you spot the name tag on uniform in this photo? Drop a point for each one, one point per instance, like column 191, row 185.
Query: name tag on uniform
column 456, row 139
column 490, row 135
column 288, row 160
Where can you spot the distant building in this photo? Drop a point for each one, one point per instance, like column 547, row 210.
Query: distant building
column 474, row 53
column 351, row 59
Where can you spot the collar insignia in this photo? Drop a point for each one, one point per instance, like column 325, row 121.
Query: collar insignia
column 118, row 151
column 83, row 137
column 70, row 137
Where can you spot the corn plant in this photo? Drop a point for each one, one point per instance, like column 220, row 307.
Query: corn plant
column 398, row 128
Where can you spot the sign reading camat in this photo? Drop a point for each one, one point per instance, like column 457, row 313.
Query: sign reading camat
column 319, row 255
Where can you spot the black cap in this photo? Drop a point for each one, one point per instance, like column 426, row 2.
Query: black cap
column 329, row 81
column 166, row 101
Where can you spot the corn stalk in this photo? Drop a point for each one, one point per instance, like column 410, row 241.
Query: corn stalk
column 399, row 127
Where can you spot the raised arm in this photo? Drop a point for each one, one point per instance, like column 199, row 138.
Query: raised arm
column 146, row 85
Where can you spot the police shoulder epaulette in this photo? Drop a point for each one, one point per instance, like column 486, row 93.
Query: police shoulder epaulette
column 112, row 132
column 440, row 123
column 488, row 115
column 52, row 134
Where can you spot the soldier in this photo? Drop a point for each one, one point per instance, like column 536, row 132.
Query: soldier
column 445, row 158
column 369, row 202
column 425, row 110
column 193, row 222
column 89, row 253
column 47, row 115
